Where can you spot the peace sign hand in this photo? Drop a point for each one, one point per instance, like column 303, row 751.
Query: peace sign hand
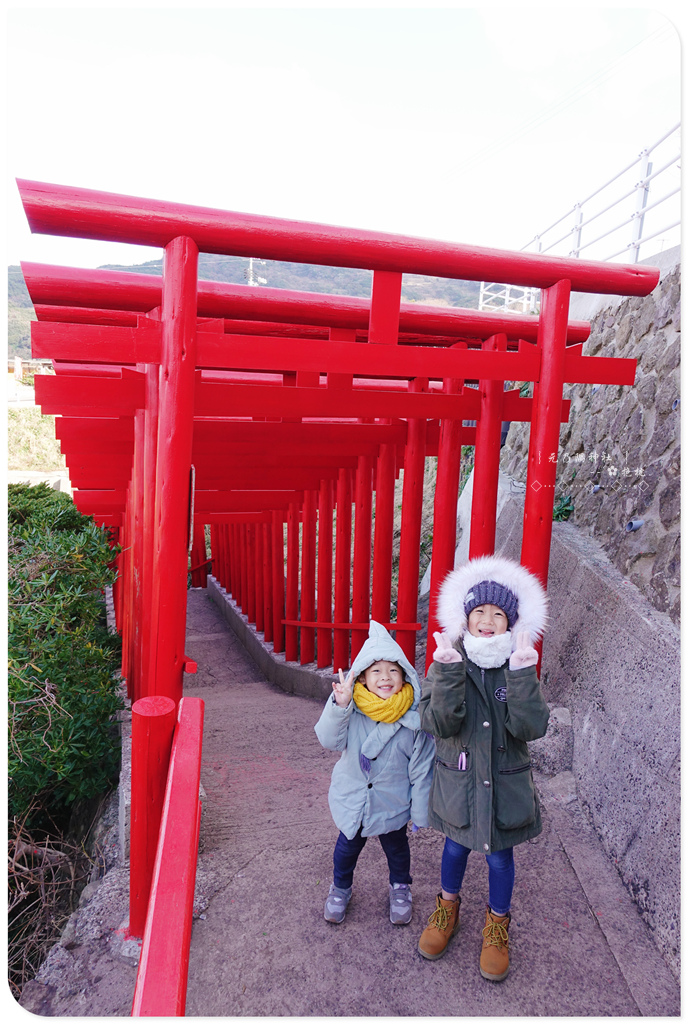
column 445, row 652
column 525, row 655
column 343, row 689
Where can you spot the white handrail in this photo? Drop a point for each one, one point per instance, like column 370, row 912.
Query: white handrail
column 517, row 299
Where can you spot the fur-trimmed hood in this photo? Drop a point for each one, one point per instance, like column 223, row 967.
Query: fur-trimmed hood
column 532, row 599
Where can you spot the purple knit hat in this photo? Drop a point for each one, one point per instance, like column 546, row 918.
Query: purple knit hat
column 491, row 592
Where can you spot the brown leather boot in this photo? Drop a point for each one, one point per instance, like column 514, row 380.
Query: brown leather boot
column 494, row 958
column 442, row 925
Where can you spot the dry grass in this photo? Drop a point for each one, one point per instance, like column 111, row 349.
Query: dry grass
column 31, row 442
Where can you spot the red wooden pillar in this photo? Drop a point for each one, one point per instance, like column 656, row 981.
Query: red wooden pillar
column 277, row 582
column 342, row 572
column 411, row 521
column 267, row 580
column 360, row 597
column 137, row 479
column 260, row 590
column 152, row 729
column 444, row 512
column 199, row 567
column 291, row 633
column 544, row 431
column 214, row 552
column 486, row 472
column 150, row 458
column 384, row 308
column 250, row 571
column 243, row 556
column 325, row 573
column 173, row 479
column 127, row 668
column 384, row 532
column 308, row 576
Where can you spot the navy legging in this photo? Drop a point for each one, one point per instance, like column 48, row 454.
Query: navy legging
column 395, row 845
column 501, row 873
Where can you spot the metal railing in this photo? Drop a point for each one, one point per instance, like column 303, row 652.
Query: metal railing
column 639, row 208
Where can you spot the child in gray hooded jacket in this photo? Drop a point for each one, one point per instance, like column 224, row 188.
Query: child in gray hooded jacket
column 382, row 780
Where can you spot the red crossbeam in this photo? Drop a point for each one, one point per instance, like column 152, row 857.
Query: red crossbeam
column 86, row 213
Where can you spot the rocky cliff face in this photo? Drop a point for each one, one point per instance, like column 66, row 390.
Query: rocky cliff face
column 619, row 454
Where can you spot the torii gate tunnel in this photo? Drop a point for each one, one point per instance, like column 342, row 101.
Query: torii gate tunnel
column 186, row 403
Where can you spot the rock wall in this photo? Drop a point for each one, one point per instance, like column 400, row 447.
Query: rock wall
column 619, row 454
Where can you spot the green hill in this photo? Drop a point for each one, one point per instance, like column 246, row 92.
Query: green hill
column 235, row 270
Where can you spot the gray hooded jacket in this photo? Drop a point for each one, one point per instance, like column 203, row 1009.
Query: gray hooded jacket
column 383, row 777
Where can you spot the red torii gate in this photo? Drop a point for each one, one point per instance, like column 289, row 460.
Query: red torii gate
column 288, row 406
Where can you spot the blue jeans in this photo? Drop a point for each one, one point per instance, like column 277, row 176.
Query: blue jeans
column 395, row 845
column 501, row 873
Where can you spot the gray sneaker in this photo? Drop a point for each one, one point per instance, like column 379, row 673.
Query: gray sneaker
column 336, row 904
column 400, row 903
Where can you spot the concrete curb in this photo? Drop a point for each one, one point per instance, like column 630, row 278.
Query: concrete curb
column 305, row 680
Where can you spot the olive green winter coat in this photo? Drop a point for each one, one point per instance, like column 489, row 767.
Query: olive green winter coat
column 489, row 715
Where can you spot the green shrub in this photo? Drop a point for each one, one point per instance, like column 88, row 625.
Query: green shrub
column 62, row 660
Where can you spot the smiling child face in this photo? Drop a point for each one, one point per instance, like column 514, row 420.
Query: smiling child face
column 487, row 620
column 384, row 679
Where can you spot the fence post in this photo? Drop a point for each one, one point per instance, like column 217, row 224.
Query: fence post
column 152, row 728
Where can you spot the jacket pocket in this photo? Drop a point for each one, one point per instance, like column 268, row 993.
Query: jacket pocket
column 450, row 794
column 515, row 797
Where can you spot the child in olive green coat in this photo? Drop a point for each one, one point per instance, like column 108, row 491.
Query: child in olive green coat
column 482, row 701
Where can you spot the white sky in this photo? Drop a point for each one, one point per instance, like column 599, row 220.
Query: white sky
column 472, row 124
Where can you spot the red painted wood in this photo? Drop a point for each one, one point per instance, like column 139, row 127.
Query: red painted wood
column 360, row 589
column 444, row 515
column 291, row 637
column 80, row 343
column 267, row 581
column 175, row 430
column 544, row 434
column 253, row 399
column 342, row 571
column 277, row 581
column 411, row 518
column 384, row 308
column 198, row 556
column 486, row 471
column 64, row 396
column 308, row 575
column 258, row 570
column 86, row 213
column 325, row 550
column 118, row 290
column 384, row 532
column 152, row 727
column 161, row 981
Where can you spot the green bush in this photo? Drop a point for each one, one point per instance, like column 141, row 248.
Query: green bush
column 63, row 694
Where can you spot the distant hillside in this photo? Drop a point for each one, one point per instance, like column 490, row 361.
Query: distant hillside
column 235, row 270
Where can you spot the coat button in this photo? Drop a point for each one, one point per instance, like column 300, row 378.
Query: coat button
column 370, row 785
column 486, row 725
column 486, row 846
column 486, row 782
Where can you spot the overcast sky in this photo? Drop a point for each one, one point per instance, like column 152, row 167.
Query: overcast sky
column 476, row 125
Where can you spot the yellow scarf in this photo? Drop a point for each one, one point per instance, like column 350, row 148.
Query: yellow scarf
column 380, row 710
